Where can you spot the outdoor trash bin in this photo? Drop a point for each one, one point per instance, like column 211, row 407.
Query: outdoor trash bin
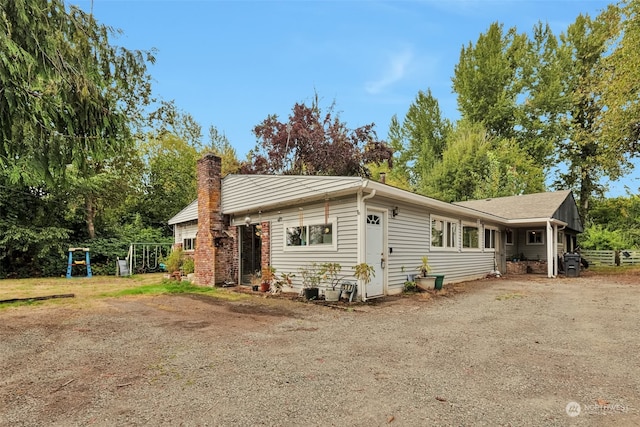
column 572, row 265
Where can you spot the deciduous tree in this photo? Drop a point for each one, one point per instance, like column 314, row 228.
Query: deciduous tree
column 313, row 142
column 420, row 140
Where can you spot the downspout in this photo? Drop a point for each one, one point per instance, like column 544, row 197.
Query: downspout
column 368, row 196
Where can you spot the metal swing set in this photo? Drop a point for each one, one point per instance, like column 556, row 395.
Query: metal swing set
column 143, row 258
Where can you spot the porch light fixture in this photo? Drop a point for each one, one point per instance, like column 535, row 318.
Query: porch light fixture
column 394, row 212
column 247, row 220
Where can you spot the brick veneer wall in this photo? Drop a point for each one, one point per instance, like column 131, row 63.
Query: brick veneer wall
column 265, row 249
column 226, row 261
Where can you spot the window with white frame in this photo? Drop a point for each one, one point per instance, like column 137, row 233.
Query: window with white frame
column 509, row 237
column 470, row 236
column 318, row 235
column 189, row 244
column 490, row 238
column 535, row 237
column 444, row 233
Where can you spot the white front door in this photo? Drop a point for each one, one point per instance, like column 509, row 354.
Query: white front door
column 374, row 241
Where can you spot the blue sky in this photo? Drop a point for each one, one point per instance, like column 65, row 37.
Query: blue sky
column 232, row 63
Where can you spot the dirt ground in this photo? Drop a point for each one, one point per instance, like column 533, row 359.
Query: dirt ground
column 506, row 351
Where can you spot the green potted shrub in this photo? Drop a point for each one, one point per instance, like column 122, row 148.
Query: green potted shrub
column 174, row 262
column 424, row 281
column 330, row 271
column 428, row 281
column 311, row 278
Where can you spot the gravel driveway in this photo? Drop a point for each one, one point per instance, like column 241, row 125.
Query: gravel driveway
column 492, row 352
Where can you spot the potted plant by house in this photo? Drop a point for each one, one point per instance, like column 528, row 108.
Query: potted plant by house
column 256, row 279
column 364, row 272
column 330, row 271
column 310, row 280
column 425, row 281
column 279, row 282
column 267, row 277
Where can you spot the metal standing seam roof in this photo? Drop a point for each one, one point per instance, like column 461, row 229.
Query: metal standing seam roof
column 537, row 205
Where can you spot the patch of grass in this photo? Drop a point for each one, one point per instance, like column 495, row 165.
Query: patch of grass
column 614, row 270
column 25, row 303
column 174, row 287
column 165, row 287
column 509, row 296
column 90, row 290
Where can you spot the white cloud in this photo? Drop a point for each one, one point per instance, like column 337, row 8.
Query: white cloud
column 395, row 71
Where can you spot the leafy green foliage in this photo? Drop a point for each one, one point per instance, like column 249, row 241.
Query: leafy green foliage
column 67, row 95
column 587, row 157
column 221, row 147
column 613, row 224
column 620, row 83
column 475, row 165
column 175, row 260
column 420, row 141
column 171, row 178
column 598, row 237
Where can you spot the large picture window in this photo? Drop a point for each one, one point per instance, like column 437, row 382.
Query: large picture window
column 444, row 233
column 470, row 237
column 313, row 235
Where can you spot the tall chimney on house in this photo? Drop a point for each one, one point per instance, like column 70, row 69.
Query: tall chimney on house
column 209, row 171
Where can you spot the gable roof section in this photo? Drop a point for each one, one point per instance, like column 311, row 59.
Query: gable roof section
column 190, row 213
column 558, row 204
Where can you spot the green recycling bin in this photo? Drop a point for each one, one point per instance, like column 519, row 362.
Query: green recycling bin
column 439, row 280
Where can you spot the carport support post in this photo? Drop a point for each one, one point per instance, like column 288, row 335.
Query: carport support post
column 552, row 248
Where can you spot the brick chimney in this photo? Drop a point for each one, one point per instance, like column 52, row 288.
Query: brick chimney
column 210, row 223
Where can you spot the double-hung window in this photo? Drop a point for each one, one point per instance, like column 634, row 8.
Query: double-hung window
column 490, row 238
column 470, row 236
column 444, row 233
column 189, row 244
column 535, row 237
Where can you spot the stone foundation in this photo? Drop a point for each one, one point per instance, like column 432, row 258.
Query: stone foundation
column 524, row 267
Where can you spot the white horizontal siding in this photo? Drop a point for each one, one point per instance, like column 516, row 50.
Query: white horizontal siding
column 409, row 240
column 291, row 260
column 185, row 231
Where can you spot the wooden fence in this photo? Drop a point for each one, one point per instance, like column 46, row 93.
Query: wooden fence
column 623, row 257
